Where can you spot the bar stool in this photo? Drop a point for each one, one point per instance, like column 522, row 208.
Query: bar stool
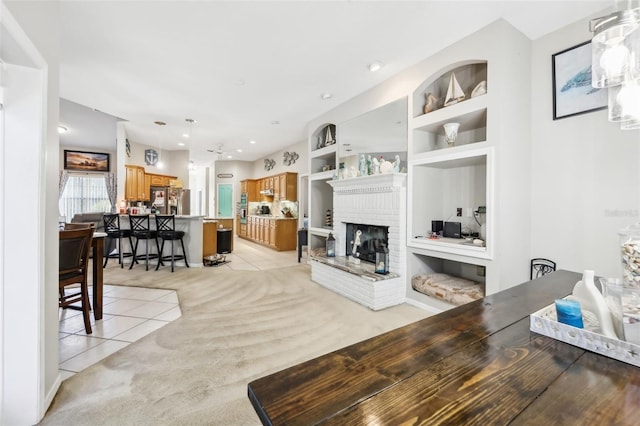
column 113, row 230
column 140, row 230
column 166, row 226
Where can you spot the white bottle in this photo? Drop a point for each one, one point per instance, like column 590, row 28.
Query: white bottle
column 590, row 298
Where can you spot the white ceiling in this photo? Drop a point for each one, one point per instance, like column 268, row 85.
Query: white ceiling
column 238, row 66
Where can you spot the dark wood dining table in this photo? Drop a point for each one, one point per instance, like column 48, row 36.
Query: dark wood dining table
column 475, row 364
column 97, row 247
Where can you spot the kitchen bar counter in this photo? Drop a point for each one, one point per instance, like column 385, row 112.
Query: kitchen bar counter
column 475, row 364
column 191, row 225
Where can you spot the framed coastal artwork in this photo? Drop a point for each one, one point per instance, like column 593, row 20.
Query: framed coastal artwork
column 572, row 90
column 86, row 161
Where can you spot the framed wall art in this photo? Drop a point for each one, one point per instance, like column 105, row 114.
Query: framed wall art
column 86, row 161
column 572, row 90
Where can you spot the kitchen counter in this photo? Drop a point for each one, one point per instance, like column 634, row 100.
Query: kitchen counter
column 267, row 216
column 211, row 226
column 192, row 227
column 276, row 232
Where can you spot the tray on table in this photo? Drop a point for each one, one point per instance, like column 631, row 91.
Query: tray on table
column 545, row 322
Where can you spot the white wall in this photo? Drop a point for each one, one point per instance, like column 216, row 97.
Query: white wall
column 30, row 375
column 175, row 163
column 300, row 166
column 585, row 173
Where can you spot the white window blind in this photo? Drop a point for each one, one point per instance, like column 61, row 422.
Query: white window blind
column 84, row 194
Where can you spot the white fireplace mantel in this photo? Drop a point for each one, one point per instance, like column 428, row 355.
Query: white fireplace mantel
column 373, row 183
column 376, row 200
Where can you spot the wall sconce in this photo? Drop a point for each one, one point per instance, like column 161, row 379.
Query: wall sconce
column 615, row 64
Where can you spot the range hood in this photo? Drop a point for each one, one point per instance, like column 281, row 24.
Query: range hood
column 267, row 191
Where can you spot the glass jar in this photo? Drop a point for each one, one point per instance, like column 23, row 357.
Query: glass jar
column 630, row 255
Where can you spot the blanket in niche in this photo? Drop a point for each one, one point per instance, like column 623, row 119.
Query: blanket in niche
column 446, row 287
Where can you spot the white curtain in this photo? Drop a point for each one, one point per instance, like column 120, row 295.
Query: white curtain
column 62, row 182
column 111, row 183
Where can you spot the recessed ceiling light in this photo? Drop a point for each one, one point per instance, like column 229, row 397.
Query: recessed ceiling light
column 238, row 150
column 185, row 135
column 252, row 142
column 326, row 95
column 180, row 143
column 62, row 129
column 375, row 66
column 229, row 157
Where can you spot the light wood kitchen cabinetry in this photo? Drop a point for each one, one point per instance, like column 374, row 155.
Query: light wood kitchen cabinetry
column 137, row 186
column 134, row 186
column 279, row 234
column 210, row 235
column 249, row 187
column 160, row 180
column 286, row 187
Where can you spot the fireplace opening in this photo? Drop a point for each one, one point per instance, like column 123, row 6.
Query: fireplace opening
column 362, row 241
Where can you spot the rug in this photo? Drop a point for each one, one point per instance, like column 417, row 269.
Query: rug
column 235, row 327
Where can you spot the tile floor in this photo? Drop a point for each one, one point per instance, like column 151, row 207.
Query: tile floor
column 131, row 313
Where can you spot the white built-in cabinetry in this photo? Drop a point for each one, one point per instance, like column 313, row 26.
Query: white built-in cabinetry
column 486, row 171
column 444, row 178
column 322, row 167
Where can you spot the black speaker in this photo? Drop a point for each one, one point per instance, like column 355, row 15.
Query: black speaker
column 436, row 226
column 452, row 229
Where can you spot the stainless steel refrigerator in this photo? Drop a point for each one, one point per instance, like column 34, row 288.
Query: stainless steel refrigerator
column 169, row 200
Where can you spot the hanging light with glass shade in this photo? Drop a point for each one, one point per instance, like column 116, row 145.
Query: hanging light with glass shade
column 616, row 63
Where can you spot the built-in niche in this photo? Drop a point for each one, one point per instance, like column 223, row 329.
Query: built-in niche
column 380, row 133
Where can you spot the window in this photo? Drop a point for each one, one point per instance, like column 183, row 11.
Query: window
column 84, row 194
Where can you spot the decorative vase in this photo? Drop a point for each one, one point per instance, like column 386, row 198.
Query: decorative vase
column 451, row 132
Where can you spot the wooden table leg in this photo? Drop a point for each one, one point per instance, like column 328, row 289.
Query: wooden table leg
column 98, row 254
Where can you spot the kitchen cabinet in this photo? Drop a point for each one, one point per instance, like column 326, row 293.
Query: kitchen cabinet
column 210, row 235
column 134, row 186
column 249, row 187
column 160, row 180
column 279, row 234
column 287, row 186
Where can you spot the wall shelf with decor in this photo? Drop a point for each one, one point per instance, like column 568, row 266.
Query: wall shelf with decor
column 322, row 167
column 470, row 181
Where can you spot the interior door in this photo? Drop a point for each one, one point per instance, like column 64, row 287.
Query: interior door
column 225, row 200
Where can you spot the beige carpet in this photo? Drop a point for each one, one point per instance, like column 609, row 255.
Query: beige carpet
column 236, row 326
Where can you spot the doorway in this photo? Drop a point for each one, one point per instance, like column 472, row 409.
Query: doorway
column 225, row 200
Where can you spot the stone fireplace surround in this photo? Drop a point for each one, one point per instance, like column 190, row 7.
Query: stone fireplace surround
column 379, row 200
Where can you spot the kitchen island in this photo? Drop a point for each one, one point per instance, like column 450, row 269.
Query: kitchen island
column 276, row 232
column 192, row 227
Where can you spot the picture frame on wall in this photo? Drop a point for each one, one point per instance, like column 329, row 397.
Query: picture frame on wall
column 84, row 161
column 572, row 90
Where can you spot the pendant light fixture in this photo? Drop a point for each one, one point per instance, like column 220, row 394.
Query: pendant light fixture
column 160, row 164
column 616, row 63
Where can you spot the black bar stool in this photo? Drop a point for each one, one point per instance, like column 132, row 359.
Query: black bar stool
column 140, row 230
column 166, row 226
column 113, row 230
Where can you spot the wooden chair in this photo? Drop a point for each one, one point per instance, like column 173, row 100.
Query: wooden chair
column 166, row 226
column 541, row 266
column 74, row 246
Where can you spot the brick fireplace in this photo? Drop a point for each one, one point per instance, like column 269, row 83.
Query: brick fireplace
column 377, row 200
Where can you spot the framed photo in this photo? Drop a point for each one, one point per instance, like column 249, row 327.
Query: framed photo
column 572, row 90
column 86, row 161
